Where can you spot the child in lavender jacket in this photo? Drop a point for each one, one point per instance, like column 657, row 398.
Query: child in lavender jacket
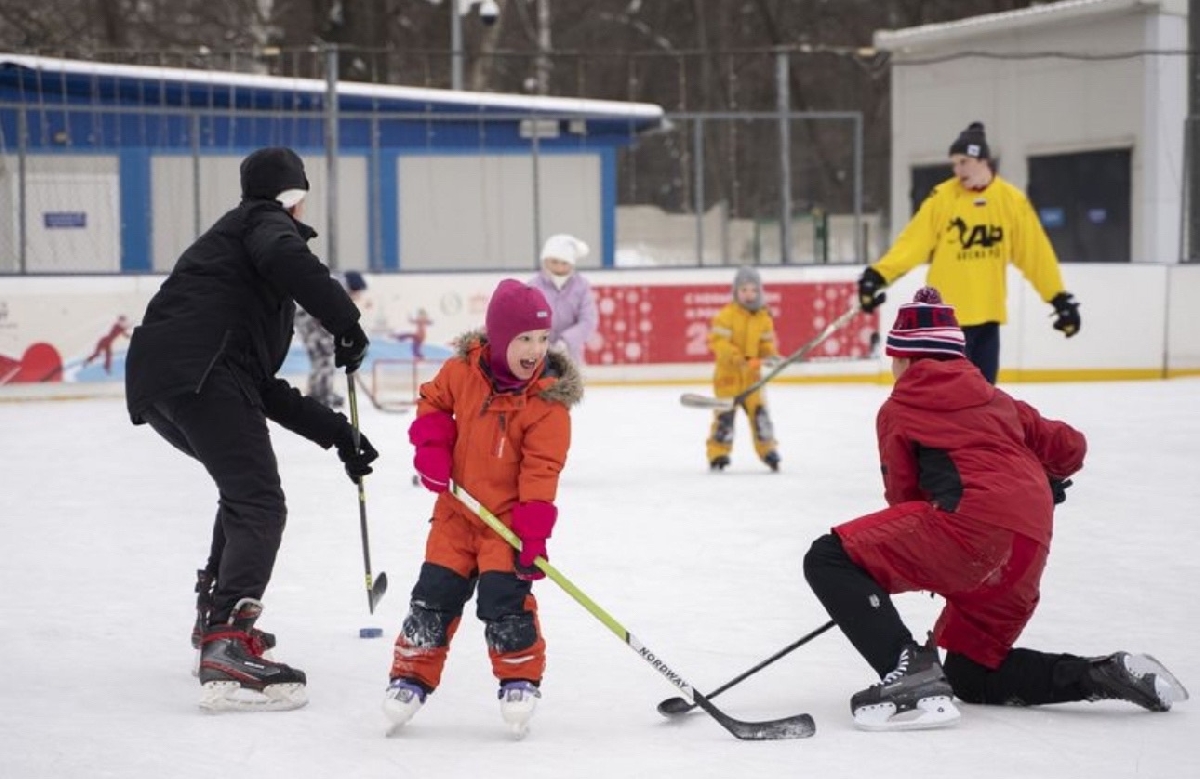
column 569, row 294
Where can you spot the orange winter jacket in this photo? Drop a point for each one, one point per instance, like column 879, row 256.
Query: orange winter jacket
column 511, row 446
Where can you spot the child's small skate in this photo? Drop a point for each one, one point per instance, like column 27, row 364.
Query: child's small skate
column 518, row 699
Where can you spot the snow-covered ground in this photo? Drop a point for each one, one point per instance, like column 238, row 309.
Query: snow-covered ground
column 103, row 525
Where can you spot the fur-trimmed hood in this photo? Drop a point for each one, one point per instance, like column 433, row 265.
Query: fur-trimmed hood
column 560, row 380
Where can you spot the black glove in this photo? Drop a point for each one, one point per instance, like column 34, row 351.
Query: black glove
column 870, row 290
column 357, row 460
column 1058, row 488
column 1066, row 313
column 350, row 348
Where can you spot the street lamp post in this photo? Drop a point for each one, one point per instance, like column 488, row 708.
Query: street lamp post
column 489, row 11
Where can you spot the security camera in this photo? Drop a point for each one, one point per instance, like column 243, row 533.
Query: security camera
column 489, row 12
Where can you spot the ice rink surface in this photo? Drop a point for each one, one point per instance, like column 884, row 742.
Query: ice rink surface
column 104, row 524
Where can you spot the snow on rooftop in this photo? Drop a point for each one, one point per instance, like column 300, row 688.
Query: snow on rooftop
column 607, row 108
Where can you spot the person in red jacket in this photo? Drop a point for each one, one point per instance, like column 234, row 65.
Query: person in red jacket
column 971, row 476
column 495, row 420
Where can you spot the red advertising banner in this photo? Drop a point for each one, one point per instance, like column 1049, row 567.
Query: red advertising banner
column 666, row 324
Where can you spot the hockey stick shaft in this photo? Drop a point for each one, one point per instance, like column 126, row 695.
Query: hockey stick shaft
column 797, row 726
column 680, row 706
column 375, row 587
column 703, row 401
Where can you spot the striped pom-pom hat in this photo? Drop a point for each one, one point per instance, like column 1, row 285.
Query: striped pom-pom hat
column 926, row 327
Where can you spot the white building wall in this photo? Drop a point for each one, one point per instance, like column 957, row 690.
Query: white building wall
column 1041, row 105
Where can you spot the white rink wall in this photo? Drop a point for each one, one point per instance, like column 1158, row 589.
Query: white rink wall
column 1139, row 322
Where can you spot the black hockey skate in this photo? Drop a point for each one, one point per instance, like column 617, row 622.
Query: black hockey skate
column 914, row 696
column 234, row 675
column 718, row 464
column 1139, row 679
column 206, row 584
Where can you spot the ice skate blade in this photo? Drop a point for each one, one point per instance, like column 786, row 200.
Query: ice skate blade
column 517, row 714
column 1169, row 689
column 935, row 712
column 230, row 696
column 399, row 712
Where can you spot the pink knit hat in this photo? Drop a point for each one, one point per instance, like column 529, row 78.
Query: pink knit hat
column 515, row 308
column 926, row 327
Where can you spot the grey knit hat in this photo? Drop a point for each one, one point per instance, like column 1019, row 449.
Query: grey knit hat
column 748, row 275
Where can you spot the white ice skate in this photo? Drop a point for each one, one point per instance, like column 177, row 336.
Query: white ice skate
column 517, row 701
column 401, row 701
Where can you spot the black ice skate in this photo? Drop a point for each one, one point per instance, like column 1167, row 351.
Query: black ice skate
column 718, row 463
column 234, row 675
column 206, row 584
column 1139, row 679
column 914, row 696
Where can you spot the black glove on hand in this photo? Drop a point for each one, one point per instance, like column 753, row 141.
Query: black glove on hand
column 1066, row 313
column 1058, row 488
column 358, row 461
column 870, row 290
column 350, row 348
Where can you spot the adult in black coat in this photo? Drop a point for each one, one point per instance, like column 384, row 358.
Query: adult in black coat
column 201, row 370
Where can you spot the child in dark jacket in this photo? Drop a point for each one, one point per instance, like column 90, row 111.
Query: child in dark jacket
column 971, row 476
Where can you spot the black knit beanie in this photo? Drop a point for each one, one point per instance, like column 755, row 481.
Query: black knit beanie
column 269, row 171
column 972, row 142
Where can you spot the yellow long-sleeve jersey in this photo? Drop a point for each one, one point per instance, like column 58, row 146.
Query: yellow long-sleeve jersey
column 968, row 238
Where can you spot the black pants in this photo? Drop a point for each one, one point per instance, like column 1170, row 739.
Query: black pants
column 228, row 435
column 983, row 348
column 865, row 613
column 860, row 607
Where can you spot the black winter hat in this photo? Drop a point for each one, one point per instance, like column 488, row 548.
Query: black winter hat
column 972, row 142
column 269, row 171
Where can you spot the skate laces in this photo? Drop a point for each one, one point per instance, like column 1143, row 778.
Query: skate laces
column 900, row 670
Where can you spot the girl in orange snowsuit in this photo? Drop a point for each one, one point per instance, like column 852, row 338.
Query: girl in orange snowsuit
column 504, row 439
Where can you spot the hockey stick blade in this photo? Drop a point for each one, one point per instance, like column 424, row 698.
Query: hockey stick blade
column 674, row 707
column 376, row 590
column 692, row 400
column 796, row 726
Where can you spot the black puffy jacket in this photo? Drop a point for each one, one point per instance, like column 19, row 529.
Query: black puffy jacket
column 230, row 300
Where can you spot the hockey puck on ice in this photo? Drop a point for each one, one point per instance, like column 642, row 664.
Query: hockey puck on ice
column 370, row 632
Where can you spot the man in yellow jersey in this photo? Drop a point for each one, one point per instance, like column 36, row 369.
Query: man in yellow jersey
column 968, row 229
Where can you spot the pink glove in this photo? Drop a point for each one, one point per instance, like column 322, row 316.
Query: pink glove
column 433, row 435
column 532, row 522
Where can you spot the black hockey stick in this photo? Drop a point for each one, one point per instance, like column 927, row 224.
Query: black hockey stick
column 673, row 707
column 377, row 587
column 795, row 726
column 692, row 400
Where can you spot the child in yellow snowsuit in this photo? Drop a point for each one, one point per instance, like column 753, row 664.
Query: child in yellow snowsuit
column 741, row 337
